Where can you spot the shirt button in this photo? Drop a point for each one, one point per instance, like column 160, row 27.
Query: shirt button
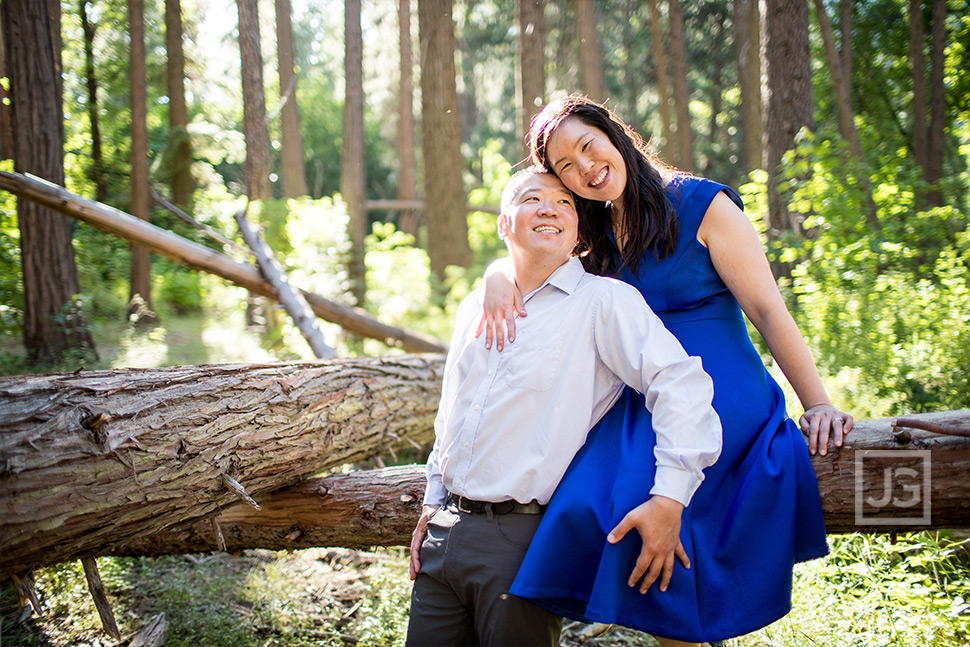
column 466, row 444
column 458, row 481
column 476, row 407
column 490, row 372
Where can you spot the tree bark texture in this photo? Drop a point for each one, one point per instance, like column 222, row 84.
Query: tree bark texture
column 202, row 258
column 590, row 56
column 843, row 100
column 356, row 510
column 663, row 96
column 353, row 167
column 444, row 192
column 380, row 507
column 678, row 68
column 291, row 152
column 258, row 164
column 407, row 172
column 179, row 143
column 6, row 126
column 935, row 141
column 532, row 65
column 747, row 38
column 140, row 197
column 917, row 59
column 846, row 18
column 52, row 322
column 788, row 100
column 99, row 458
column 96, row 170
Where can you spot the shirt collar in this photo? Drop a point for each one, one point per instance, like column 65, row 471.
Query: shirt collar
column 566, row 277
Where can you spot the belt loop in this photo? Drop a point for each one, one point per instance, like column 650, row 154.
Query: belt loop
column 489, row 512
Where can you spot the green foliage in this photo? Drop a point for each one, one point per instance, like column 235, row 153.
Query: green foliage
column 178, row 288
column 11, row 288
column 875, row 590
column 886, row 311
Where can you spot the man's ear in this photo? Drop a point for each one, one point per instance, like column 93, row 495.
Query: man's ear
column 502, row 224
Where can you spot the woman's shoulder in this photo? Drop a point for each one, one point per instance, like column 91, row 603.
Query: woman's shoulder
column 686, row 191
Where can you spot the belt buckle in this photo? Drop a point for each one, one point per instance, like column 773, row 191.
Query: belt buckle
column 461, row 508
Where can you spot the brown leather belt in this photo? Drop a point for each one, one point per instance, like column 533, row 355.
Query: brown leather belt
column 471, row 506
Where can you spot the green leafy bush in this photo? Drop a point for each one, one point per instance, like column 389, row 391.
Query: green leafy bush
column 885, row 309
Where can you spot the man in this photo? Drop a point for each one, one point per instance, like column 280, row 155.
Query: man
column 509, row 424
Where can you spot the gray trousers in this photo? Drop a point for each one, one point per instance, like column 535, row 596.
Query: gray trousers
column 460, row 597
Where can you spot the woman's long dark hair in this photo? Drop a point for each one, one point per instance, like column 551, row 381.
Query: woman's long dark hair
column 649, row 219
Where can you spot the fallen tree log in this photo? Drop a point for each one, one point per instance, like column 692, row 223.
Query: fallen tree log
column 200, row 257
column 98, row 458
column 380, row 507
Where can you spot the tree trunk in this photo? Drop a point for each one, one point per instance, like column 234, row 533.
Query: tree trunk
column 53, row 320
column 660, row 61
column 407, row 175
column 444, row 193
column 678, row 64
column 6, row 126
column 747, row 45
column 96, row 170
column 180, row 144
column 590, row 58
column 935, row 141
column 843, row 101
column 140, row 207
column 98, row 458
column 845, row 38
column 788, row 97
column 356, row 510
column 353, row 167
column 380, row 507
column 532, row 65
column 291, row 152
column 918, row 61
column 198, row 257
column 258, row 165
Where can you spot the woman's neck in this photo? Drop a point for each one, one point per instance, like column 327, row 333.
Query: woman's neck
column 617, row 224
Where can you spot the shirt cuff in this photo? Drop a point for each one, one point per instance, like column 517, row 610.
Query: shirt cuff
column 435, row 493
column 676, row 484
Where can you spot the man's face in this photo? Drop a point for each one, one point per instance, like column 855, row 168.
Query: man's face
column 541, row 219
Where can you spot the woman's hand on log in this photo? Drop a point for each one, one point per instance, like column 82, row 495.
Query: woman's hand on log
column 823, row 423
column 417, row 538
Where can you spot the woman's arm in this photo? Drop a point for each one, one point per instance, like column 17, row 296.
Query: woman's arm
column 741, row 263
column 503, row 301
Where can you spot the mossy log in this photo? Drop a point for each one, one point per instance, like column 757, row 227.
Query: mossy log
column 95, row 459
column 379, row 507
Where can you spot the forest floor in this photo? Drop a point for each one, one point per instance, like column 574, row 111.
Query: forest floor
column 910, row 591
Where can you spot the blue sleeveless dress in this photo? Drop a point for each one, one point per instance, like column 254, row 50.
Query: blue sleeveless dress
column 755, row 515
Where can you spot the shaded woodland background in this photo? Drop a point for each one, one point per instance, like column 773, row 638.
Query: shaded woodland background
column 370, row 142
column 361, row 131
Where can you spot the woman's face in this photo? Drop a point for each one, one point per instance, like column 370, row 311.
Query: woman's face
column 586, row 161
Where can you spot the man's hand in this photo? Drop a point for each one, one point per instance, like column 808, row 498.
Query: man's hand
column 658, row 522
column 417, row 538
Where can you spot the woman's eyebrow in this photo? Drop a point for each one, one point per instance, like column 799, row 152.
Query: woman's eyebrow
column 578, row 139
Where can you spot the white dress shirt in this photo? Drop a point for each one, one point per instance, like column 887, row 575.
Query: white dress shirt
column 510, row 422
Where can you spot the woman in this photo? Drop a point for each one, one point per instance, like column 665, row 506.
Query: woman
column 687, row 246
